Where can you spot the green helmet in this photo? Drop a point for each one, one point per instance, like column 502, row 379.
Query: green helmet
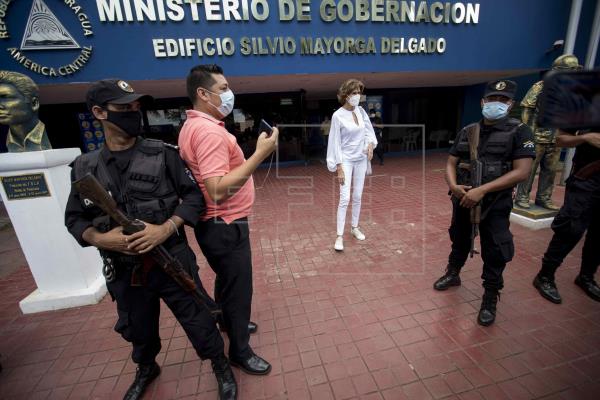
column 566, row 62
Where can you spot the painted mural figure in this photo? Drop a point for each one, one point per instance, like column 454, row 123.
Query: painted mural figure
column 19, row 105
column 547, row 153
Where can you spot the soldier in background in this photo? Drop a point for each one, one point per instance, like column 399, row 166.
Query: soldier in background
column 378, row 128
column 547, row 153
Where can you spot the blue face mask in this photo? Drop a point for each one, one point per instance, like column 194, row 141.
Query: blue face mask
column 494, row 110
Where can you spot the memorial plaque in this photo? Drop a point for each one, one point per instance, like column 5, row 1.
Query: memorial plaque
column 28, row 186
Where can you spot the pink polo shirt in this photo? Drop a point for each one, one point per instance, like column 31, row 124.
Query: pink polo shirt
column 209, row 151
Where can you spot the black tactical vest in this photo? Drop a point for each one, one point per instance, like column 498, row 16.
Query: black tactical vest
column 495, row 153
column 145, row 193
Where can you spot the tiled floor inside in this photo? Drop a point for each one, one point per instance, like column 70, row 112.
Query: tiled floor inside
column 362, row 324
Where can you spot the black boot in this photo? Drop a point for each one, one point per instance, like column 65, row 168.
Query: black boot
column 487, row 313
column 225, row 378
column 144, row 375
column 547, row 288
column 450, row 278
column 589, row 286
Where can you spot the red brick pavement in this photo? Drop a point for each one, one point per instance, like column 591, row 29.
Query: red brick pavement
column 364, row 324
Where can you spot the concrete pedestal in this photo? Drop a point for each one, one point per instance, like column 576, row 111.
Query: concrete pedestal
column 34, row 187
column 534, row 217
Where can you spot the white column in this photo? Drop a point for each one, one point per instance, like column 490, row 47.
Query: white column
column 34, row 188
column 572, row 27
column 590, row 58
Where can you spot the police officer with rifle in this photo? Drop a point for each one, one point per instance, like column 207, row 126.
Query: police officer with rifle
column 140, row 235
column 571, row 103
column 546, row 149
column 488, row 159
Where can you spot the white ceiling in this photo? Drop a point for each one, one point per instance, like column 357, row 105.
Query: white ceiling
column 316, row 85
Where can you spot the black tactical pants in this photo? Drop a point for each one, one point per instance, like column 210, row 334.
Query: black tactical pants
column 579, row 213
column 227, row 250
column 497, row 246
column 379, row 152
column 379, row 149
column 138, row 308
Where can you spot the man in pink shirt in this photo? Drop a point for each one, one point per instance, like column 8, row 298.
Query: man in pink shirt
column 225, row 177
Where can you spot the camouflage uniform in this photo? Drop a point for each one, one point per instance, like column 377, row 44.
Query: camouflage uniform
column 546, row 152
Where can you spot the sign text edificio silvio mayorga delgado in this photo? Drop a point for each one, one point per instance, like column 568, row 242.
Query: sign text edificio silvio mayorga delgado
column 73, row 40
column 329, row 11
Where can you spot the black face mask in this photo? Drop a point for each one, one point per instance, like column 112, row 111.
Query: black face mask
column 129, row 121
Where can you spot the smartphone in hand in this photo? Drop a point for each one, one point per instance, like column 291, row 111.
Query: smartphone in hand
column 264, row 127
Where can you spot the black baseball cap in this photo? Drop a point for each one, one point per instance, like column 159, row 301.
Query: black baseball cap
column 501, row 87
column 115, row 91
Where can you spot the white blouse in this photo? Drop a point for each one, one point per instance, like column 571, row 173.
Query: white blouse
column 347, row 140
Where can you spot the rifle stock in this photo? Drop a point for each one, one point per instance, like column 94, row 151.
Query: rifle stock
column 90, row 189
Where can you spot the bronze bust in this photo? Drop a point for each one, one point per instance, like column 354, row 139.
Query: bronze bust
column 19, row 105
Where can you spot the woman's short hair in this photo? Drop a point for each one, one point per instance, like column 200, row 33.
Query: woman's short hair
column 347, row 88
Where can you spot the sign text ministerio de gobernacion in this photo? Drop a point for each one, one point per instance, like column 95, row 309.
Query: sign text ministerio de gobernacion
column 130, row 12
column 374, row 11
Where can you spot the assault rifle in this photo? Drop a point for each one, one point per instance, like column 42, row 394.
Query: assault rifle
column 476, row 168
column 89, row 188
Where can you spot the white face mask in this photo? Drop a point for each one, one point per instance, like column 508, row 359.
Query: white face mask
column 227, row 101
column 353, row 100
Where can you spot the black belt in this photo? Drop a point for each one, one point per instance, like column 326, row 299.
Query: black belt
column 215, row 219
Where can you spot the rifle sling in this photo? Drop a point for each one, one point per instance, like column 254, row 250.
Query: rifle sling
column 473, row 138
column 203, row 298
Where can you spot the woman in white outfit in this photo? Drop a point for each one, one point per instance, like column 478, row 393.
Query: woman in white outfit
column 349, row 151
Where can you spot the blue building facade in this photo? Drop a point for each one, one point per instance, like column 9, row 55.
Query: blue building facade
column 294, row 53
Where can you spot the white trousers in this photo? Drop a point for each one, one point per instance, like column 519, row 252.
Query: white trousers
column 354, row 172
